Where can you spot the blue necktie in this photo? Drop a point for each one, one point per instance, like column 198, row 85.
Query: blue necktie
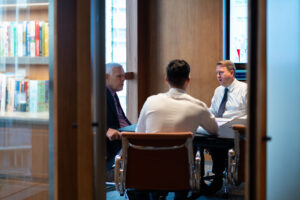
column 223, row 104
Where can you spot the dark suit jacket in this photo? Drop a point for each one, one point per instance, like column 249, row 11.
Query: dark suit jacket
column 112, row 121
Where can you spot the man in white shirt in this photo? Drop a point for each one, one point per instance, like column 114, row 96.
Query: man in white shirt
column 175, row 110
column 230, row 98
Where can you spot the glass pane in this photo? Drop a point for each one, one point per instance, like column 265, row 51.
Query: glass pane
column 116, row 38
column 238, row 31
column 24, row 99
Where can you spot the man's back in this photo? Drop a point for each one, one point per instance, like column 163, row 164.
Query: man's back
column 174, row 111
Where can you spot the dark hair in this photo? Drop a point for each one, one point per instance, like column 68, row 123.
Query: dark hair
column 178, row 72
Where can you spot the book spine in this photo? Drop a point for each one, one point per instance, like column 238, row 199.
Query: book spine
column 41, row 38
column 46, row 47
column 27, row 39
column 32, row 38
column 41, row 96
column 3, row 92
column 33, row 95
column 37, row 38
column 11, row 94
column 6, row 40
column 24, row 51
column 16, row 98
column 2, row 39
column 26, row 90
column 11, row 27
column 47, row 95
column 20, row 39
column 15, row 39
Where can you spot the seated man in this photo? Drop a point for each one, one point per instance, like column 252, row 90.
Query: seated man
column 230, row 98
column 116, row 118
column 175, row 110
column 229, row 101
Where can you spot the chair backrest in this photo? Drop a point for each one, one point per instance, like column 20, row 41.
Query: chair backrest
column 157, row 161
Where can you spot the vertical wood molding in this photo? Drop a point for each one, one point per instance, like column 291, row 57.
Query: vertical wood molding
column 66, row 93
column 85, row 136
column 261, row 108
column 132, row 58
column 256, row 146
column 142, row 51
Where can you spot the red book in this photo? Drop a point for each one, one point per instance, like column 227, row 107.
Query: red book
column 37, row 38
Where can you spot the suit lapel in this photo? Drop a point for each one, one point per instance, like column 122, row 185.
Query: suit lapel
column 111, row 103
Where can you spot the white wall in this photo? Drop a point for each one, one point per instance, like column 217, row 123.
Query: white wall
column 283, row 99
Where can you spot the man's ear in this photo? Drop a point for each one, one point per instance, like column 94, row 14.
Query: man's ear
column 189, row 79
column 166, row 79
column 106, row 76
column 232, row 72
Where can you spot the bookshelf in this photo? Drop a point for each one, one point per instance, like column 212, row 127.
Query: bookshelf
column 24, row 88
column 24, row 60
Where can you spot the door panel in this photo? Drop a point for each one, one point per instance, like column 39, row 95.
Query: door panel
column 283, row 99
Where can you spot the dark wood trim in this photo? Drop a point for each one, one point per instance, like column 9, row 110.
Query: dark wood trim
column 142, row 51
column 66, row 101
column 261, row 104
column 256, row 156
column 84, row 134
column 72, row 111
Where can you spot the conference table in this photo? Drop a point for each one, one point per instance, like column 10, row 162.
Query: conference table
column 217, row 145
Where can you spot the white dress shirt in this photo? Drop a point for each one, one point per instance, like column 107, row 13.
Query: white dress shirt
column 175, row 111
column 236, row 100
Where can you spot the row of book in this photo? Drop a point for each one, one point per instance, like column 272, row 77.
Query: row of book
column 27, row 38
column 23, row 95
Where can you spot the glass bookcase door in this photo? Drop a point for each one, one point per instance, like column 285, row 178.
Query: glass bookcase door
column 24, row 99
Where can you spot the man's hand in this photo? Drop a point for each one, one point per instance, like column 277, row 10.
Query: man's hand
column 113, row 134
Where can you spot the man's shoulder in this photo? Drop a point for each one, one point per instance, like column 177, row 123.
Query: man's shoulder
column 241, row 83
column 156, row 97
column 195, row 100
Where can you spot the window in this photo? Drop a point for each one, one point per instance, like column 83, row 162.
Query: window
column 236, row 35
column 116, row 38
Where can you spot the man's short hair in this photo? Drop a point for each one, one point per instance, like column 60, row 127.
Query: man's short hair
column 110, row 66
column 178, row 72
column 228, row 64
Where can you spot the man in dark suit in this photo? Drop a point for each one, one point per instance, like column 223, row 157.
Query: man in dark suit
column 116, row 118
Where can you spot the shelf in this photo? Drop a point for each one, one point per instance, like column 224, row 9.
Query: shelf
column 28, row 3
column 25, row 117
column 25, row 60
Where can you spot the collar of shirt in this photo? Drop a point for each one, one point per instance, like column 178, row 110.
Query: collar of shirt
column 176, row 91
column 232, row 85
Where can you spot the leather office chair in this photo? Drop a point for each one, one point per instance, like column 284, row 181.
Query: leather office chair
column 157, row 162
column 236, row 156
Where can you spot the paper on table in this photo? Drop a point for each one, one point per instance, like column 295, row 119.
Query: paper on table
column 221, row 121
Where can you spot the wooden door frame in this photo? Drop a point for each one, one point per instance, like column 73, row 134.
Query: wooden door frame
column 72, row 117
column 256, row 134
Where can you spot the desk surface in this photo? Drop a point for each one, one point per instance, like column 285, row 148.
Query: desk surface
column 225, row 130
